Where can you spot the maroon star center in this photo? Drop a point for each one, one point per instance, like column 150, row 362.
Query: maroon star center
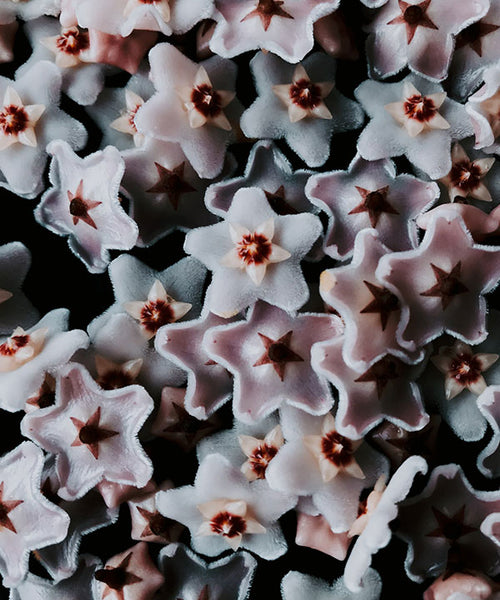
column 278, row 203
column 413, row 16
column 473, row 36
column 6, row 506
column 278, row 353
column 451, row 528
column 384, row 302
column 448, row 285
column 90, row 434
column 116, row 578
column 266, row 10
column 383, row 371
column 374, row 203
column 79, row 207
column 171, row 183
column 157, row 524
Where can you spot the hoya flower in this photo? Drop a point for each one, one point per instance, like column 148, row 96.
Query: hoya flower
column 385, row 389
column 131, row 572
column 480, row 224
column 466, row 176
column 313, row 531
column 284, row 27
column 373, row 526
column 77, row 587
column 125, row 122
column 209, row 384
column 121, row 17
column 28, row 10
column 299, row 103
column 437, row 287
column 462, row 368
column 15, row 309
column 125, row 53
column 443, row 527
column 470, row 585
column 476, row 48
column 84, row 204
column 295, row 586
column 194, row 106
column 418, row 33
column 369, row 194
column 269, row 355
column 29, row 119
column 254, row 254
column 483, row 108
column 412, row 117
column 316, row 461
column 23, row 509
column 234, row 513
column 93, row 432
column 489, row 405
column 26, row 356
column 187, row 575
column 165, row 191
column 69, row 49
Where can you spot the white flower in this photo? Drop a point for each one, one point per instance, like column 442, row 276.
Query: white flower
column 17, row 121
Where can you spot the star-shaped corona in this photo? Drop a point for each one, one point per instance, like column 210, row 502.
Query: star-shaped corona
column 68, row 47
column 18, row 121
column 266, row 10
column 125, row 123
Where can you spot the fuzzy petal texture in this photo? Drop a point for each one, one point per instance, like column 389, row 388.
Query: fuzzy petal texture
column 489, row 405
column 295, row 586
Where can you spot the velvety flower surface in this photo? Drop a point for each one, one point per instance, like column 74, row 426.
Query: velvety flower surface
column 420, row 34
column 412, row 117
column 269, row 356
column 194, row 106
column 295, row 586
column 254, row 254
column 483, row 108
column 79, row 586
column 284, row 28
column 23, row 508
column 26, row 356
column 234, row 513
column 436, row 287
column 28, row 10
column 93, row 432
column 332, row 469
column 369, row 194
column 443, row 527
column 29, row 119
column 81, row 207
column 299, row 104
column 123, row 16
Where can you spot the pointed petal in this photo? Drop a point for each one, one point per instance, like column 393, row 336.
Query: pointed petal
column 409, row 90
column 452, row 387
column 486, row 360
column 256, row 272
column 484, row 164
column 180, row 309
column 133, row 100
column 123, row 125
column 313, row 444
column 134, row 309
column 482, row 193
column 328, row 424
column 321, row 111
column 299, row 73
column 248, row 444
column 236, row 507
column 278, row 254
column 275, row 437
column 477, row 387
column 202, row 77
column 266, row 228
column 254, row 526
column 234, row 541
column 283, row 92
column 237, row 231
column 196, row 119
column 27, row 137
column 441, row 362
column 221, row 121
column 396, row 110
column 458, row 154
column 157, row 292
column 438, row 98
column 413, row 127
column 12, row 97
column 232, row 260
column 296, row 113
column 327, row 469
column 355, row 470
column 205, row 529
column 438, row 122
column 132, row 367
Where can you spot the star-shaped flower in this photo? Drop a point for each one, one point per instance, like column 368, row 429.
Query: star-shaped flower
column 253, row 237
column 29, row 120
column 23, row 507
column 306, row 97
column 84, row 204
column 125, row 53
column 280, row 26
column 296, row 586
column 130, row 574
column 233, row 513
column 483, row 108
column 209, row 384
column 412, row 117
column 446, row 518
column 26, row 356
column 112, row 375
column 410, row 32
column 317, row 462
column 465, row 177
column 125, row 122
column 269, row 355
column 364, row 304
column 315, row 532
column 462, row 368
column 92, row 432
column 435, row 285
column 194, row 106
column 189, row 576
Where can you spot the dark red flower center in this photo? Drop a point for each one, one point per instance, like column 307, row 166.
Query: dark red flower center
column 465, row 175
column 228, row 525
column 465, row 368
column 13, row 119
column 77, row 207
column 418, row 107
column 305, row 94
column 131, row 116
column 254, row 248
column 336, row 448
column 10, row 347
column 114, row 380
column 206, row 100
column 160, row 525
column 413, row 15
column 261, row 457
column 155, row 314
column 73, row 41
column 90, row 434
column 116, row 579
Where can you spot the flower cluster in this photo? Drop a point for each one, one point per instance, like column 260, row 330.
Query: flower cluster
column 292, row 362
